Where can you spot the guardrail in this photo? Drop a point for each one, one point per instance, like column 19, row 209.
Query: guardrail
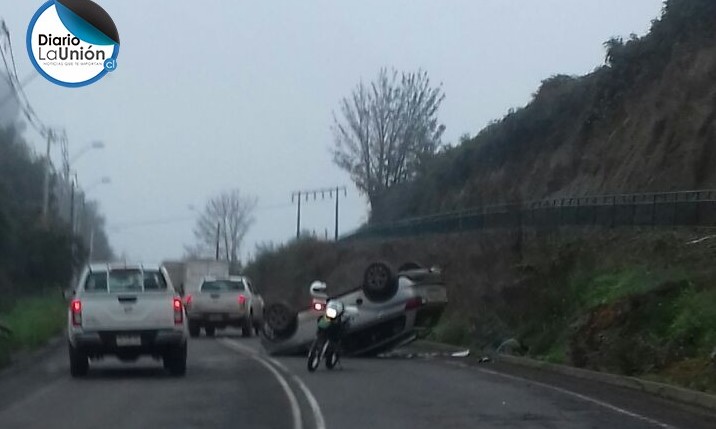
column 657, row 209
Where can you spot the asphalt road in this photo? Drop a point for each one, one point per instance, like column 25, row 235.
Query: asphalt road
column 232, row 384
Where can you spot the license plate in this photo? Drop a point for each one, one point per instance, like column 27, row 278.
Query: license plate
column 128, row 340
column 216, row 318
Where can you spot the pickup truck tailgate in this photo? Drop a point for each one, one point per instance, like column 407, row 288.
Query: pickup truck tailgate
column 216, row 302
column 127, row 311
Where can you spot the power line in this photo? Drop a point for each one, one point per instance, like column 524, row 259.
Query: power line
column 8, row 58
column 180, row 219
column 297, row 195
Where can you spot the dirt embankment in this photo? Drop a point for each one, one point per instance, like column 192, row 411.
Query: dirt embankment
column 630, row 302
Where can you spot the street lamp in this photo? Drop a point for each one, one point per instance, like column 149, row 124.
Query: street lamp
column 103, row 181
column 83, row 150
column 93, row 145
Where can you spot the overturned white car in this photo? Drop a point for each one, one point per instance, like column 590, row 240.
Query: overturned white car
column 391, row 310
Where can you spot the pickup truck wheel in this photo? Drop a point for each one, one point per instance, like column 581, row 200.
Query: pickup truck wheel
column 210, row 331
column 175, row 361
column 194, row 329
column 79, row 363
column 247, row 327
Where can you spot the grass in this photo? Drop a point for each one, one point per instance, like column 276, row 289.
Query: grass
column 451, row 331
column 32, row 321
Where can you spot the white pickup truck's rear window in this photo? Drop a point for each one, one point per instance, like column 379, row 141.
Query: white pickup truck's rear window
column 125, row 280
column 222, row 286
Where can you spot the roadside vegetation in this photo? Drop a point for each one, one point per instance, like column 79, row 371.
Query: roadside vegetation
column 39, row 255
column 633, row 302
column 30, row 322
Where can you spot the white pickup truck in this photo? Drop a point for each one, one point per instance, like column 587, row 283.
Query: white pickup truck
column 126, row 311
column 222, row 302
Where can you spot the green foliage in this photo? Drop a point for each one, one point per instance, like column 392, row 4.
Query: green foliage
column 35, row 253
column 291, row 268
column 31, row 322
column 609, row 287
column 694, row 321
column 452, row 330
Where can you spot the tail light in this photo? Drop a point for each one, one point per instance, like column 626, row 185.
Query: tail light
column 414, row 303
column 242, row 300
column 318, row 305
column 187, row 300
column 178, row 311
column 76, row 310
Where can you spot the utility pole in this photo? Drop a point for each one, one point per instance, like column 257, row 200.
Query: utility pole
column 296, row 195
column 46, row 185
column 337, row 198
column 218, row 233
column 298, row 215
column 72, row 206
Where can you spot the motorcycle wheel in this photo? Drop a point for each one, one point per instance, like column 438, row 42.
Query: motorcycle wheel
column 314, row 356
column 332, row 358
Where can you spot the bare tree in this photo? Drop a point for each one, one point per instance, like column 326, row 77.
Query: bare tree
column 386, row 128
column 231, row 215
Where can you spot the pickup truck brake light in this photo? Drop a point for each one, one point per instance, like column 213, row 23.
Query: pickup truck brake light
column 76, row 309
column 178, row 312
column 242, row 300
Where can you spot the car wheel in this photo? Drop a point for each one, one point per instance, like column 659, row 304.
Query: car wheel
column 247, row 327
column 210, row 331
column 194, row 329
column 175, row 361
column 280, row 322
column 79, row 363
column 379, row 283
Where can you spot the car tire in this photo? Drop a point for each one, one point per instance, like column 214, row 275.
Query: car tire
column 175, row 361
column 379, row 282
column 79, row 363
column 210, row 331
column 194, row 329
column 280, row 321
column 247, row 327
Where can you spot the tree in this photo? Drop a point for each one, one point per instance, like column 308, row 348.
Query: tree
column 386, row 130
column 232, row 212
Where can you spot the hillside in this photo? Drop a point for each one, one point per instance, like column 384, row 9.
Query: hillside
column 645, row 121
column 636, row 302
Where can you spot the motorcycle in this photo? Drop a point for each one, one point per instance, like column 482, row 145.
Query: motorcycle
column 331, row 328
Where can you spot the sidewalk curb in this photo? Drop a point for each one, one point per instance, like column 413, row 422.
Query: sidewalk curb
column 666, row 391
column 678, row 394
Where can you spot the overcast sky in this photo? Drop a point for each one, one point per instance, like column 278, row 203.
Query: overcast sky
column 213, row 95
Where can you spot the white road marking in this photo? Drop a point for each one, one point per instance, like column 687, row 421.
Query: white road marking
column 312, row 402
column 295, row 409
column 573, row 394
column 315, row 408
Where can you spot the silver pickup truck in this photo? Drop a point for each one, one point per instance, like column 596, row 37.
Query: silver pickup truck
column 223, row 302
column 126, row 311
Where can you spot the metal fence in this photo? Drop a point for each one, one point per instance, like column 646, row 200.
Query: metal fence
column 658, row 209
